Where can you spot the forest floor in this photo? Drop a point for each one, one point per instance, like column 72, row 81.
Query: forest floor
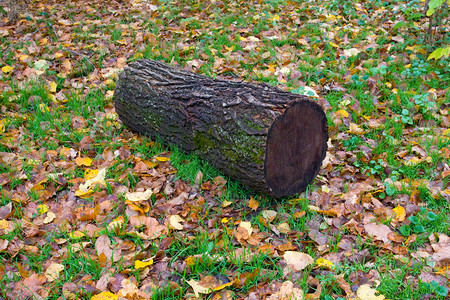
column 90, row 210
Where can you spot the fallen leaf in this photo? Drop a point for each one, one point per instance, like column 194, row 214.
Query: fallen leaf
column 324, row 263
column 52, row 272
column 175, row 222
column 400, row 213
column 138, row 264
column 198, row 289
column 365, row 292
column 105, row 296
column 139, row 196
column 355, row 129
column 7, row 69
column 253, row 204
column 269, row 215
column 378, row 231
column 297, row 260
column 162, row 159
column 83, row 161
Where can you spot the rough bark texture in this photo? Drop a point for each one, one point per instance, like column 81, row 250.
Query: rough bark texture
column 270, row 140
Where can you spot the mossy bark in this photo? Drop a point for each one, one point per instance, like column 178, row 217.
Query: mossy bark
column 270, row 140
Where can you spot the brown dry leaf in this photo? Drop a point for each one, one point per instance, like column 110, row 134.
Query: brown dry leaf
column 33, row 284
column 78, row 122
column 297, row 260
column 103, row 246
column 287, row 292
column 154, row 229
column 378, row 231
column 6, row 211
column 129, row 289
column 3, row 245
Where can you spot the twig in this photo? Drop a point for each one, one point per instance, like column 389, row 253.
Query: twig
column 26, row 39
column 82, row 55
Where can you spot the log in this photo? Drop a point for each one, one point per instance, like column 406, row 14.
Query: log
column 270, row 140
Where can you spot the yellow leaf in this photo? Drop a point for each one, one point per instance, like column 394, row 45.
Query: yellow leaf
column 138, row 264
column 400, row 213
column 53, row 86
column 67, row 66
column 365, row 292
column 83, row 161
column 226, row 203
column 76, row 235
column 105, row 296
column 85, row 190
column 59, row 54
column 334, row 45
column 341, row 113
column 122, row 42
column 162, row 159
column 90, row 174
column 284, row 227
column 83, row 194
column 190, row 261
column 4, row 224
column 276, row 18
column 222, row 286
column 42, row 209
column 7, row 69
column 271, row 68
column 226, row 220
column 2, row 126
column 23, row 57
column 324, row 263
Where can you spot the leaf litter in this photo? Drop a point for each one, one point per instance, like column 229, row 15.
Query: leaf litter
column 86, row 211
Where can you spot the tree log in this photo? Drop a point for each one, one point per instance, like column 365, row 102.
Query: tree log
column 270, row 140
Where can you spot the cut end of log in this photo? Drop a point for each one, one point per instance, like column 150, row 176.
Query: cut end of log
column 296, row 146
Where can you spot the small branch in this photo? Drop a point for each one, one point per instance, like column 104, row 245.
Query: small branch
column 26, row 39
column 80, row 54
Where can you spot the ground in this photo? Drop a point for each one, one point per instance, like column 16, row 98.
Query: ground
column 89, row 209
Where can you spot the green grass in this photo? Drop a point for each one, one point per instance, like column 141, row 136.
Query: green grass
column 389, row 81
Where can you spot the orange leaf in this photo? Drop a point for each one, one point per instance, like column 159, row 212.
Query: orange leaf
column 253, row 204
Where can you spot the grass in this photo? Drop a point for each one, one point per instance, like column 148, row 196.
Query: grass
column 397, row 97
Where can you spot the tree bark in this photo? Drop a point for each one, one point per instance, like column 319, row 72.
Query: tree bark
column 270, row 140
